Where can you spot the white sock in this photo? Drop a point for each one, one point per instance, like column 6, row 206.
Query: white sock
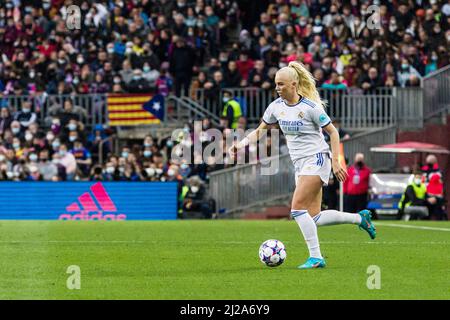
column 309, row 230
column 330, row 217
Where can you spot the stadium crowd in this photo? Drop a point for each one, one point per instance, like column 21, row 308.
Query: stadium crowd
column 144, row 46
column 180, row 46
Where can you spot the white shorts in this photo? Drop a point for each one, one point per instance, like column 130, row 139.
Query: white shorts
column 315, row 165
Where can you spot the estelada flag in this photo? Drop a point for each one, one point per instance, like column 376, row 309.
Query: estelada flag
column 135, row 109
column 342, row 156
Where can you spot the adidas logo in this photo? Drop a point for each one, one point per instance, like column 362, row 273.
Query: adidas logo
column 91, row 206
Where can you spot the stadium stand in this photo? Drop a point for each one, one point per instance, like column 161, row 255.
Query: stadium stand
column 180, row 48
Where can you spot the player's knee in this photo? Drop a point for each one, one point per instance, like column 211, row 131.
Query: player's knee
column 299, row 204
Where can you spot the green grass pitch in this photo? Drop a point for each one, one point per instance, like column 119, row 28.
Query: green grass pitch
column 218, row 260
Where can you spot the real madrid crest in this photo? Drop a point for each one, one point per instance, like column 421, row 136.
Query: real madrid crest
column 301, row 115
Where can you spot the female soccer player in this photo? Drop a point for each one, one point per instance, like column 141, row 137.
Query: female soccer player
column 300, row 113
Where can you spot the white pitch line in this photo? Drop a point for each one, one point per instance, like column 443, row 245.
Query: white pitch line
column 375, row 242
column 411, row 227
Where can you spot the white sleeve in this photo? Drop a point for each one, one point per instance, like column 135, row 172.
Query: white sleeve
column 319, row 116
column 268, row 116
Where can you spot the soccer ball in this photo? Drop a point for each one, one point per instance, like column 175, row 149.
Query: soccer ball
column 272, row 253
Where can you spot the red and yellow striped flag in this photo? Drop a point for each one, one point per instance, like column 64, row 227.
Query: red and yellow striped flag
column 128, row 110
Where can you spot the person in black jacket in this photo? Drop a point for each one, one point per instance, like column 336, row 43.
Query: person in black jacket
column 232, row 77
column 196, row 199
column 181, row 64
column 5, row 120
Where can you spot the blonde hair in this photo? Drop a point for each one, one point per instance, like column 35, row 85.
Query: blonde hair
column 306, row 84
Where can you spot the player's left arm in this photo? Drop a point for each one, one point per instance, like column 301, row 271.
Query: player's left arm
column 338, row 170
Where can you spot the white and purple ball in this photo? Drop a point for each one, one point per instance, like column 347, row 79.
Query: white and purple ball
column 272, row 253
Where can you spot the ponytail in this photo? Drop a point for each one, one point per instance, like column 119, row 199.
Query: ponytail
column 306, row 84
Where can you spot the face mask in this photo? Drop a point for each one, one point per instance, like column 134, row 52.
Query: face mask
column 50, row 137
column 147, row 153
column 32, row 74
column 56, row 161
column 302, row 23
column 56, row 122
column 72, row 127
column 225, row 99
column 360, row 164
column 159, row 171
column 150, row 172
column 28, row 137
column 15, row 130
column 46, row 5
column 110, row 50
column 190, row 33
column 55, row 145
column 434, row 58
column 136, row 77
column 169, row 143
column 80, row 60
column 62, row 153
column 72, row 138
column 318, row 22
column 76, row 81
column 33, row 157
column 116, row 81
column 2, row 158
column 404, row 66
column 345, row 52
column 146, row 69
column 148, row 144
column 110, row 170
column 125, row 154
column 184, row 166
column 128, row 51
column 16, row 145
column 26, row 110
column 417, row 181
column 194, row 189
column 170, row 172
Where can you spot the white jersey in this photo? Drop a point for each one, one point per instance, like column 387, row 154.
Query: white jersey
column 301, row 124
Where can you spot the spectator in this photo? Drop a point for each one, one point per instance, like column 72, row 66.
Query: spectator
column 26, row 116
column 232, row 77
column 244, row 65
column 231, row 109
column 435, row 198
column 369, row 83
column 181, row 65
column 68, row 162
column 5, row 120
column 413, row 202
column 195, row 199
column 405, row 73
column 82, row 157
column 47, row 169
column 334, row 83
column 67, row 114
column 431, row 167
column 356, row 186
column 138, row 84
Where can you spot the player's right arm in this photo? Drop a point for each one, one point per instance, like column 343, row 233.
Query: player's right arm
column 252, row 137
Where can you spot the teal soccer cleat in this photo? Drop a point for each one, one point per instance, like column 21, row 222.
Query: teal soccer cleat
column 366, row 223
column 313, row 263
